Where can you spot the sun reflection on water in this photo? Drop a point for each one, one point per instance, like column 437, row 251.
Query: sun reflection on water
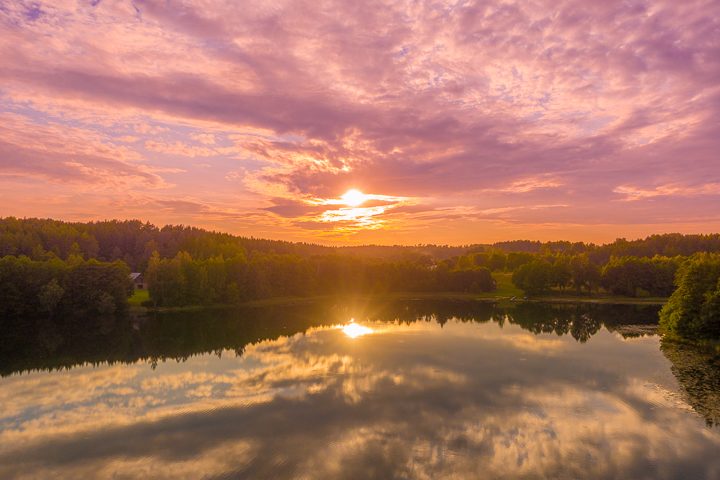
column 354, row 330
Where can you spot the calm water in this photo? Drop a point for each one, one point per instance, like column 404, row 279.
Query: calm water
column 414, row 390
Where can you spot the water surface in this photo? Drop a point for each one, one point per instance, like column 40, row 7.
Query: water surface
column 409, row 390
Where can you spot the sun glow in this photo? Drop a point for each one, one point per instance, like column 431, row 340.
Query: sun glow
column 353, row 197
column 355, row 210
column 353, row 330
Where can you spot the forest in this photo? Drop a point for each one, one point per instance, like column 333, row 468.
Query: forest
column 58, row 289
column 133, row 242
column 50, row 268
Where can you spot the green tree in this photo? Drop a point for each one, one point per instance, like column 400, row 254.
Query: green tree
column 50, row 296
column 693, row 310
column 637, row 276
column 106, row 304
column 584, row 274
column 517, row 259
column 534, row 277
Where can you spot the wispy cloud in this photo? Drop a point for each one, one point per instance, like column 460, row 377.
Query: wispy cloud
column 633, row 193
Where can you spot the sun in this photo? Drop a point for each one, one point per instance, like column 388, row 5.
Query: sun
column 353, row 197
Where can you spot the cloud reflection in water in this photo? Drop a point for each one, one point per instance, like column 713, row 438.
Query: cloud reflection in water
column 416, row 401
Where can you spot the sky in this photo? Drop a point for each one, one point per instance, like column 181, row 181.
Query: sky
column 447, row 122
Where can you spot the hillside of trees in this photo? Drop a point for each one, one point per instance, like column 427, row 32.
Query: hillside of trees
column 133, row 242
column 50, row 268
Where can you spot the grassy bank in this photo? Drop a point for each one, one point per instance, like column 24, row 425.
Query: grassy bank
column 505, row 288
column 505, row 292
column 482, row 297
column 138, row 297
column 598, row 298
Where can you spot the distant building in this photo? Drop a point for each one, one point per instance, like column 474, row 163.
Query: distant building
column 138, row 280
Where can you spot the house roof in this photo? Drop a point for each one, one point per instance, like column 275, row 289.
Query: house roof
column 135, row 275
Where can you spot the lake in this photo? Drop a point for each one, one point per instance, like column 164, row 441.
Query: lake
column 353, row 389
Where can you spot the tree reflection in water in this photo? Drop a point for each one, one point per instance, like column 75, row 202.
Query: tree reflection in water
column 439, row 389
column 41, row 345
column 698, row 372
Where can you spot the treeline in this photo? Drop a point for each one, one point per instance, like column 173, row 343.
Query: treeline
column 58, row 289
column 666, row 245
column 626, row 276
column 184, row 280
column 133, row 242
column 538, row 273
column 185, row 265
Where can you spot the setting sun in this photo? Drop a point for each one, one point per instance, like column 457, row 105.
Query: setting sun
column 353, row 197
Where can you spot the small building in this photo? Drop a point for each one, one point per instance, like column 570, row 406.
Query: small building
column 138, row 280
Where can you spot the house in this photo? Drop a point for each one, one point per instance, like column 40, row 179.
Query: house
column 138, row 280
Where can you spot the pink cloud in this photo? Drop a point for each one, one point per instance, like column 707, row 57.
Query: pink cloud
column 504, row 107
column 69, row 155
column 633, row 193
column 179, row 148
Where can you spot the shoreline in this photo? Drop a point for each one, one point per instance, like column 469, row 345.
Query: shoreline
column 476, row 297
